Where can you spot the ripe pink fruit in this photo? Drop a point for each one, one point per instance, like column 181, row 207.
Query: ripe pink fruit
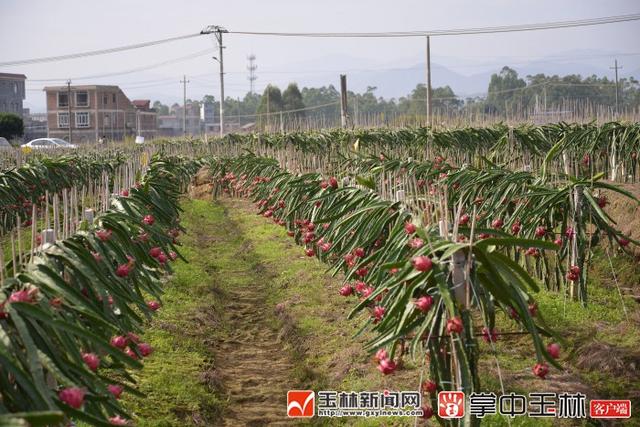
column 145, row 349
column 268, row 213
column 119, row 341
column 333, row 182
column 96, row 256
column 153, row 305
column 115, row 390
column 533, row 309
column 416, row 243
column 124, row 193
column 309, row 252
column 72, row 396
column 359, row 252
column 623, row 242
column 454, row 325
column 489, row 336
column 540, row 231
column 324, row 184
column 424, row 303
column 360, row 286
column 118, row 421
column 148, row 219
column 541, row 370
column 464, row 219
column 516, row 227
column 554, row 350
column 422, row 263
column 427, row 412
column 155, row 252
column 387, row 366
column 130, row 353
column 569, row 232
column 346, row 290
column 572, row 277
column 22, row 296
column 382, row 354
column 123, row 270
column 291, row 233
column 104, row 235
column 429, row 386
column 378, row 312
column 366, row 292
column 513, row 313
column 409, row 228
column 362, row 271
column 497, row 223
column 172, row 255
column 602, row 201
column 162, row 258
column 558, row 241
column 91, row 360
column 534, row 252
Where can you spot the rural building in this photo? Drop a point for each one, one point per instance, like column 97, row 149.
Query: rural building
column 173, row 124
column 12, row 93
column 97, row 111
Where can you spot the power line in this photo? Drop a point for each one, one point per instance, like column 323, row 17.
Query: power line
column 454, row 32
column 96, row 52
column 134, row 70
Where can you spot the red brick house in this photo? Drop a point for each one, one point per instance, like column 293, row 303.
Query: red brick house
column 94, row 112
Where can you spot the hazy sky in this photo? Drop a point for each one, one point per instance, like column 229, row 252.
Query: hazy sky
column 36, row 28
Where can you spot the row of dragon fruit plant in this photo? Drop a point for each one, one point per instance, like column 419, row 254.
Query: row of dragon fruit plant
column 70, row 316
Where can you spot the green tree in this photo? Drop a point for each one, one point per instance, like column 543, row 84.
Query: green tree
column 163, row 110
column 505, row 90
column 271, row 100
column 443, row 100
column 11, row 126
column 292, row 100
column 327, row 96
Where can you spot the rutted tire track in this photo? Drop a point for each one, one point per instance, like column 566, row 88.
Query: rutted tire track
column 251, row 359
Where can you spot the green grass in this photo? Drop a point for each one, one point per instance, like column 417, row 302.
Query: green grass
column 172, row 376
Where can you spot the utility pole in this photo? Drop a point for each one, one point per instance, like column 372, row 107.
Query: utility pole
column 428, row 76
column 217, row 31
column 184, row 82
column 343, row 99
column 615, row 67
column 69, row 109
column 252, row 67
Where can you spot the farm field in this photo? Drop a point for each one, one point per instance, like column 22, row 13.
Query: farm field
column 195, row 283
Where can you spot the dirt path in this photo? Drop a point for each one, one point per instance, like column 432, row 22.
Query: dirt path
column 250, row 358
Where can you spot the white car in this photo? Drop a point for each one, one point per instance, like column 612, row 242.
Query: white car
column 49, row 143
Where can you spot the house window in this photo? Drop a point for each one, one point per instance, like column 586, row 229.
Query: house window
column 82, row 120
column 105, row 99
column 114, row 98
column 63, row 120
column 106, row 121
column 63, row 99
column 82, row 99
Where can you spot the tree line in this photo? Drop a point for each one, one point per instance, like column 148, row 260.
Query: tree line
column 506, row 91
